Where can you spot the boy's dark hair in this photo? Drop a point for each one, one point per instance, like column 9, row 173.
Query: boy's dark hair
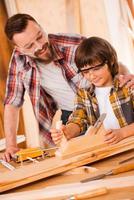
column 17, row 24
column 97, row 49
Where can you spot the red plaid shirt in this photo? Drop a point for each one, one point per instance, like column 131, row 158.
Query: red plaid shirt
column 24, row 76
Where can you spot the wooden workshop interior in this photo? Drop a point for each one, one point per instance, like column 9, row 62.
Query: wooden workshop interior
column 96, row 171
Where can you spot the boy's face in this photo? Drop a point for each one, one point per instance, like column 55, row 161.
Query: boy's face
column 99, row 74
column 33, row 42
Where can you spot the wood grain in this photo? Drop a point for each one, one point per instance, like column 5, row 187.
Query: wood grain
column 81, row 144
column 52, row 166
column 66, row 190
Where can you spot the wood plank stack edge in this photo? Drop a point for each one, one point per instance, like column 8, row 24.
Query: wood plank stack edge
column 51, row 166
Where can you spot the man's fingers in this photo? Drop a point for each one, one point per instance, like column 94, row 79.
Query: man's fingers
column 7, row 157
column 10, row 151
column 130, row 84
column 127, row 79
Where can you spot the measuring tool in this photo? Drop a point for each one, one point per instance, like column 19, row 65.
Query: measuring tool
column 30, row 153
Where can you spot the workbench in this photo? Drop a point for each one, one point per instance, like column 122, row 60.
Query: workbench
column 108, row 163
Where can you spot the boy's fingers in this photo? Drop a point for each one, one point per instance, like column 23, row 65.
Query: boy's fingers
column 111, row 140
column 57, row 136
column 109, row 131
column 110, row 137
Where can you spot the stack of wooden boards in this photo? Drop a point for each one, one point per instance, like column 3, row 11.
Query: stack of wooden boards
column 76, row 152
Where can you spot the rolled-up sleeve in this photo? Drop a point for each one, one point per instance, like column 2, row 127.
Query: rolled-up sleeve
column 14, row 86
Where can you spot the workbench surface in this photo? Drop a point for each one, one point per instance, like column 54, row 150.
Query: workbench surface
column 107, row 163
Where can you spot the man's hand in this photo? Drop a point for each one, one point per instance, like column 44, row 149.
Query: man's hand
column 113, row 136
column 10, row 151
column 127, row 80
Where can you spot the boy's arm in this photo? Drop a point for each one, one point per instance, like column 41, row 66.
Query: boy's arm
column 128, row 131
column 114, row 136
column 70, row 130
column 76, row 123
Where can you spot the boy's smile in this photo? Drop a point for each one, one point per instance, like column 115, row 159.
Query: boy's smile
column 98, row 76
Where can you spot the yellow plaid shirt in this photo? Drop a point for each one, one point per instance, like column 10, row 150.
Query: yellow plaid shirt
column 86, row 110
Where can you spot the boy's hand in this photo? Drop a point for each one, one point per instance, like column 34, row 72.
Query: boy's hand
column 10, row 151
column 113, row 136
column 57, row 134
column 127, row 79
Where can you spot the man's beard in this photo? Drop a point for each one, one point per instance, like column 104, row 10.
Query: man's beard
column 49, row 55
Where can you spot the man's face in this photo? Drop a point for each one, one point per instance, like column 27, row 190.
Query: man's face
column 34, row 42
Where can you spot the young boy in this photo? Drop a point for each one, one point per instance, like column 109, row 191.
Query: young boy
column 97, row 61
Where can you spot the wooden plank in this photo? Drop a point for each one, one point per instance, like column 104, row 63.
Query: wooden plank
column 65, row 190
column 81, row 144
column 29, row 173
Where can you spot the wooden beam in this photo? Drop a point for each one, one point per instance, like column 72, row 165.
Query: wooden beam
column 73, row 16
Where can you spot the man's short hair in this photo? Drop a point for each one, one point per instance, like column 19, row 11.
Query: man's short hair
column 97, row 49
column 17, row 24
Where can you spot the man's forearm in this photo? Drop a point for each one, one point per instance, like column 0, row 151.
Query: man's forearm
column 11, row 118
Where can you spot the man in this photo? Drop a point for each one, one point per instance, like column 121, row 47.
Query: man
column 44, row 67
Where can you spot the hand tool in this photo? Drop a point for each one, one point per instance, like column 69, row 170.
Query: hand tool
column 7, row 165
column 33, row 160
column 120, row 169
column 100, row 120
column 89, row 194
column 23, row 154
column 97, row 124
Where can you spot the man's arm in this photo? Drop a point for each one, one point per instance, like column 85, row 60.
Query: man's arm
column 11, row 118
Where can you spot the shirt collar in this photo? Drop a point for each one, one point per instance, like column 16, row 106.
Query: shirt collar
column 58, row 55
column 115, row 86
